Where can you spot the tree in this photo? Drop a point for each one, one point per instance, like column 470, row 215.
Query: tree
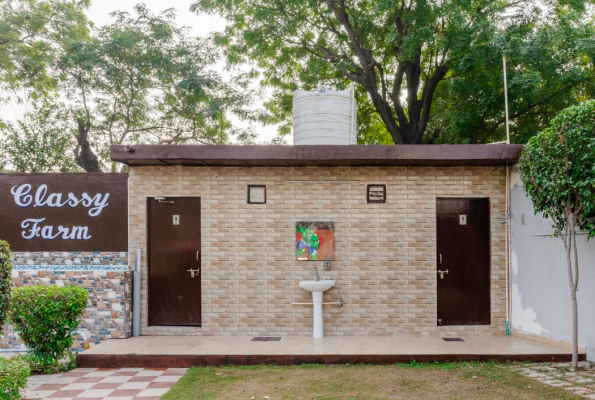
column 399, row 52
column 558, row 172
column 469, row 105
column 142, row 79
column 32, row 35
column 38, row 143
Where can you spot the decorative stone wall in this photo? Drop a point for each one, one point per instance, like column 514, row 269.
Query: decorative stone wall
column 104, row 275
column 385, row 263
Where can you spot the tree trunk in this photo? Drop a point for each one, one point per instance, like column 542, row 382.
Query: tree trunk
column 569, row 241
column 574, row 330
column 83, row 153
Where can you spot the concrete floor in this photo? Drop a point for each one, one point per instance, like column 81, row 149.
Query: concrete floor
column 335, row 345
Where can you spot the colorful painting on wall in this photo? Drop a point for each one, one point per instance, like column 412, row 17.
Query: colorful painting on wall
column 315, row 241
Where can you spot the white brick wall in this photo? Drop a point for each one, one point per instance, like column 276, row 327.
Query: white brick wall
column 385, row 253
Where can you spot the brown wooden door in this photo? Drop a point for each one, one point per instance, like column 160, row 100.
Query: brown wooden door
column 463, row 248
column 174, row 249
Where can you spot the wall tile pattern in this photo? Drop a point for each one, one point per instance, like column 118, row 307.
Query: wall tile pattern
column 61, row 259
column 385, row 263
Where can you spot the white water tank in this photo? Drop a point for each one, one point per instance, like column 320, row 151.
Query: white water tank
column 324, row 117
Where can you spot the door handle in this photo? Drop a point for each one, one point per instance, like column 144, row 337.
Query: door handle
column 442, row 273
column 193, row 272
column 441, row 259
column 197, row 255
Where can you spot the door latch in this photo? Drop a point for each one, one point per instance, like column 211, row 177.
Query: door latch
column 442, row 273
column 193, row 272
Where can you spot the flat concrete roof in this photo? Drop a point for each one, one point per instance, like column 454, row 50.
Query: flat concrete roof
column 321, row 155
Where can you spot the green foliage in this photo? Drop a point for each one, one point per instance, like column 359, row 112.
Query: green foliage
column 14, row 372
column 558, row 170
column 424, row 71
column 469, row 105
column 46, row 317
column 143, row 79
column 5, row 281
column 32, row 34
column 41, row 142
column 140, row 79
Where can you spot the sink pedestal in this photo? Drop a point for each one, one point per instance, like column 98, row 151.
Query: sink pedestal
column 317, row 288
column 318, row 323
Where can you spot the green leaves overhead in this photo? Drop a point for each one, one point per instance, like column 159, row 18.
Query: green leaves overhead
column 430, row 70
column 140, row 79
column 144, row 80
column 40, row 142
column 32, row 35
column 549, row 67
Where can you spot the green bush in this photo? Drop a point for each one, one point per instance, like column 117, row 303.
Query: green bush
column 46, row 317
column 13, row 377
column 5, row 281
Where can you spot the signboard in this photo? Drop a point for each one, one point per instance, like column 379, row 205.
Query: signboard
column 64, row 212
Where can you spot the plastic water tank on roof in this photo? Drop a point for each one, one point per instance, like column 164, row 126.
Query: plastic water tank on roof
column 324, row 117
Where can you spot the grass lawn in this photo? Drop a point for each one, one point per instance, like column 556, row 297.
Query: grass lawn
column 431, row 381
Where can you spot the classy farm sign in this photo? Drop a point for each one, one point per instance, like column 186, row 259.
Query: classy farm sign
column 64, row 212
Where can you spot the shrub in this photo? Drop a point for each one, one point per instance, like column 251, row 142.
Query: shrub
column 558, row 172
column 46, row 317
column 5, row 281
column 13, row 377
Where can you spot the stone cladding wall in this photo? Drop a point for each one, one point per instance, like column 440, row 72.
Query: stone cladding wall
column 104, row 274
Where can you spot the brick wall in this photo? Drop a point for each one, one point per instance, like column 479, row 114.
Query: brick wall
column 109, row 310
column 385, row 263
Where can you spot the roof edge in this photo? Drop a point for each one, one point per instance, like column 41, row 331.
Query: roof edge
column 298, row 155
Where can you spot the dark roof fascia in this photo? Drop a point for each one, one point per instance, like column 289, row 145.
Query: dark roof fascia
column 321, row 155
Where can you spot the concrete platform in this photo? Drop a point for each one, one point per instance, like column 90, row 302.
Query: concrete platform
column 187, row 351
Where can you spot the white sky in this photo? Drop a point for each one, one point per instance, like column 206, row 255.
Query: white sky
column 200, row 26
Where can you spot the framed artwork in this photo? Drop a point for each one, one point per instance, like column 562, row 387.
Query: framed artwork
column 315, row 241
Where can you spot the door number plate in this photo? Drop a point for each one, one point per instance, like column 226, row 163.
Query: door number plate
column 176, row 220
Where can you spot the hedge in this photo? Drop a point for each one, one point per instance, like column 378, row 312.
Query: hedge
column 5, row 281
column 46, row 317
column 13, row 377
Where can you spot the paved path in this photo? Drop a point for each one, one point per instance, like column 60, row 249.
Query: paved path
column 580, row 382
column 103, row 383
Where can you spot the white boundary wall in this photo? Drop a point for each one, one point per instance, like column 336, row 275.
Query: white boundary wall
column 540, row 292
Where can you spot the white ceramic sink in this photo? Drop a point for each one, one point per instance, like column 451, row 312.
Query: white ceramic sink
column 317, row 286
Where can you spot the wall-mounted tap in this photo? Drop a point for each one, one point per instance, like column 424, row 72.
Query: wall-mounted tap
column 315, row 270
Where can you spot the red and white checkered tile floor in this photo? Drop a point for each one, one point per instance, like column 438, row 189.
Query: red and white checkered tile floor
column 105, row 383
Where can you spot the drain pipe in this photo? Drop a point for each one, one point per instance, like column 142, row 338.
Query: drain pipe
column 136, row 295
column 507, row 256
column 507, row 205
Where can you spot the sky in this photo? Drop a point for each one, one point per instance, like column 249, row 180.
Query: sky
column 202, row 25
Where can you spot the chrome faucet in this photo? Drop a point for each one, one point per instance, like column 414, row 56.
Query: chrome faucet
column 315, row 270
